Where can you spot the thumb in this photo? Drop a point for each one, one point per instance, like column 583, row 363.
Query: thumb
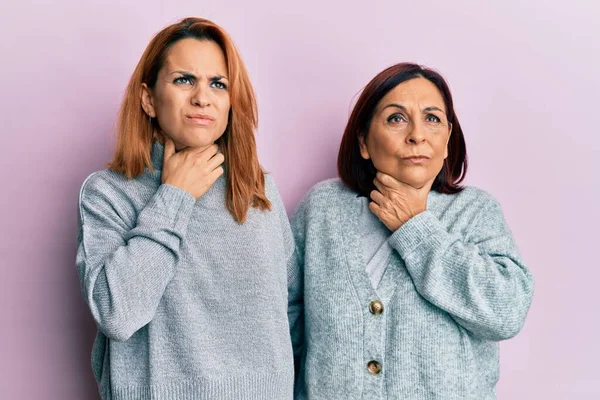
column 169, row 149
column 389, row 181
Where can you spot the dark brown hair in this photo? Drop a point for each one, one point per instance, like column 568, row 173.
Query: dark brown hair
column 245, row 177
column 357, row 173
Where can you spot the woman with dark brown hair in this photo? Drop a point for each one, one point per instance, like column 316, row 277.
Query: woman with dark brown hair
column 406, row 281
column 184, row 241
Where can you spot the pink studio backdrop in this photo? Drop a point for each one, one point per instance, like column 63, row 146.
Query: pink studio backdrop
column 525, row 77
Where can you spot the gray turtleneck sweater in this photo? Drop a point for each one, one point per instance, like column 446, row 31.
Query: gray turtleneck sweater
column 189, row 304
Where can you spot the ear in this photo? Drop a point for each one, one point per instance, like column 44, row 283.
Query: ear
column 448, row 141
column 147, row 101
column 364, row 151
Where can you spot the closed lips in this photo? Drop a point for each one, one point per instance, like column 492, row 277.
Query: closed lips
column 201, row 119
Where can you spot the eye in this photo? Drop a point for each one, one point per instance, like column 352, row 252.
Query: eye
column 218, row 84
column 184, row 80
column 396, row 118
column 433, row 118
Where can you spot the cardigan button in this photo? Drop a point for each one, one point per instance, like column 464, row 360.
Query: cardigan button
column 376, row 307
column 374, row 367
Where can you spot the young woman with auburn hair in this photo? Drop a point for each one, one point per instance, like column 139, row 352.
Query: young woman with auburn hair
column 184, row 241
column 406, row 280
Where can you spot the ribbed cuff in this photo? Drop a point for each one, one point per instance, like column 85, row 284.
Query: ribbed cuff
column 419, row 228
column 173, row 203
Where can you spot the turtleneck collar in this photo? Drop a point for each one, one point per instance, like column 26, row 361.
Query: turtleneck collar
column 156, row 155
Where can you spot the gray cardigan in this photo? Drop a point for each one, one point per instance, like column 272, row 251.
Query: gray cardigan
column 189, row 304
column 455, row 286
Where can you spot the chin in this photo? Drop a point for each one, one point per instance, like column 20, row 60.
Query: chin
column 412, row 181
column 195, row 142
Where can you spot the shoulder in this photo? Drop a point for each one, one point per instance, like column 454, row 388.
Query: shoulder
column 272, row 192
column 324, row 199
column 108, row 192
column 100, row 183
column 271, row 189
column 473, row 209
column 470, row 198
column 326, row 192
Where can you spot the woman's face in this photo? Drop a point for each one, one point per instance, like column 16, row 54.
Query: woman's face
column 409, row 133
column 191, row 97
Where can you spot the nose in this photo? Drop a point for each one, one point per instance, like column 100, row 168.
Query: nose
column 416, row 135
column 201, row 96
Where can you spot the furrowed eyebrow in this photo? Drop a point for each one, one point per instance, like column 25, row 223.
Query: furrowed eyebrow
column 184, row 73
column 218, row 78
column 192, row 76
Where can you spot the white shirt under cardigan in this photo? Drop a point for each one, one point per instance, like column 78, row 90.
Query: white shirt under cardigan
column 454, row 286
column 374, row 242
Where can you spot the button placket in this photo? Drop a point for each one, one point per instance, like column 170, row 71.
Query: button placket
column 376, row 307
column 374, row 367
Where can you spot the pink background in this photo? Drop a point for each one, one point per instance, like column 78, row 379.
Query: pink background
column 525, row 76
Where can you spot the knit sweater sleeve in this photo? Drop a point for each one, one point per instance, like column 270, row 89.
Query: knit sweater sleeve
column 125, row 269
column 296, row 280
column 481, row 281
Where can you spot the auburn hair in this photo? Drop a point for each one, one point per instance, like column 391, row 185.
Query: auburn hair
column 357, row 173
column 135, row 134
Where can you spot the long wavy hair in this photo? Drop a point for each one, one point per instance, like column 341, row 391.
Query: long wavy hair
column 135, row 134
